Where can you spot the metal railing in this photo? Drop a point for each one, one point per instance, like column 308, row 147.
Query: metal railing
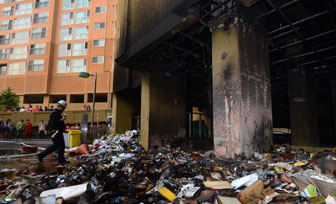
column 38, row 35
column 68, row 6
column 35, row 67
column 41, row 5
column 79, row 52
column 64, row 53
column 6, row 27
column 20, row 41
column 37, row 51
column 82, row 19
column 78, row 68
column 23, row 11
column 4, row 41
column 3, row 56
column 83, row 4
column 7, row 13
column 81, row 35
column 67, row 21
column 18, row 56
column 40, row 20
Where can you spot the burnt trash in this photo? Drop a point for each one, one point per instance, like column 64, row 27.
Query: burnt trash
column 116, row 169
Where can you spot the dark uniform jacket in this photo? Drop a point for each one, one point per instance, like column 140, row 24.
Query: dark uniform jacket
column 55, row 122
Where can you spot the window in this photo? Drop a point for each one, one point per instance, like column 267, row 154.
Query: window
column 116, row 10
column 63, row 66
column 80, row 49
column 39, row 33
column 6, row 25
column 4, row 39
column 98, row 26
column 20, row 23
column 18, row 53
column 66, row 34
column 23, row 8
column 67, row 18
column 20, row 37
column 81, row 32
column 41, row 4
column 68, row 4
column 6, row 1
column 82, row 3
column 64, row 50
column 3, row 69
column 35, row 65
column 40, row 18
column 16, row 68
column 7, row 11
column 82, row 17
column 98, row 60
column 4, row 54
column 98, row 43
column 37, row 49
column 78, row 65
column 101, row 9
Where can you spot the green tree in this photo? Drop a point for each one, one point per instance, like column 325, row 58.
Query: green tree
column 9, row 99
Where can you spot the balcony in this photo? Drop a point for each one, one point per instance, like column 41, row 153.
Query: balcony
column 4, row 41
column 81, row 36
column 39, row 5
column 6, row 27
column 7, row 13
column 38, row 35
column 35, row 67
column 23, row 11
column 79, row 52
column 82, row 19
column 3, row 56
column 37, row 51
column 68, row 6
column 40, row 20
column 18, row 56
column 64, row 53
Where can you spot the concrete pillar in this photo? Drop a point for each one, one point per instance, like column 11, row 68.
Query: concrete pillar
column 122, row 113
column 163, row 109
column 46, row 100
column 242, row 106
column 303, row 109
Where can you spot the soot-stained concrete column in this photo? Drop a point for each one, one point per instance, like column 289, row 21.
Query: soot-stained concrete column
column 242, row 106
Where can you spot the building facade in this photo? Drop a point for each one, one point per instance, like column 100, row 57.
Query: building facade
column 45, row 43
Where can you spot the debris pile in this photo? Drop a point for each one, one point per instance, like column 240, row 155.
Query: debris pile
column 118, row 170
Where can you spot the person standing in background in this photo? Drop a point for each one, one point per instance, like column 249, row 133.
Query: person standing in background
column 28, row 129
column 42, row 129
column 19, row 128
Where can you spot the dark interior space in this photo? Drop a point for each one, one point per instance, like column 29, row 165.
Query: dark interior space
column 77, row 98
column 56, row 98
column 100, row 97
column 33, row 99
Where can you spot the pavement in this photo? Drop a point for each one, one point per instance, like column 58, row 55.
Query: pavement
column 11, row 143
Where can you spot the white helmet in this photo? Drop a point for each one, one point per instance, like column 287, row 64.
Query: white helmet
column 62, row 103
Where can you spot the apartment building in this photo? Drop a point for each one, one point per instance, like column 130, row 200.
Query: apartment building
column 45, row 43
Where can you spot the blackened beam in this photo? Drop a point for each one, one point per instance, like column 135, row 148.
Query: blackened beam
column 182, row 50
column 307, row 39
column 195, row 40
column 301, row 21
column 284, row 53
column 303, row 55
column 316, row 61
column 297, row 34
column 284, row 6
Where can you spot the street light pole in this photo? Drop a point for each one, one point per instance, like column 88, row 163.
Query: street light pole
column 94, row 100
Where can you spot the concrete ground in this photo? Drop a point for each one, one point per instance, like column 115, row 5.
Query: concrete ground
column 10, row 144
